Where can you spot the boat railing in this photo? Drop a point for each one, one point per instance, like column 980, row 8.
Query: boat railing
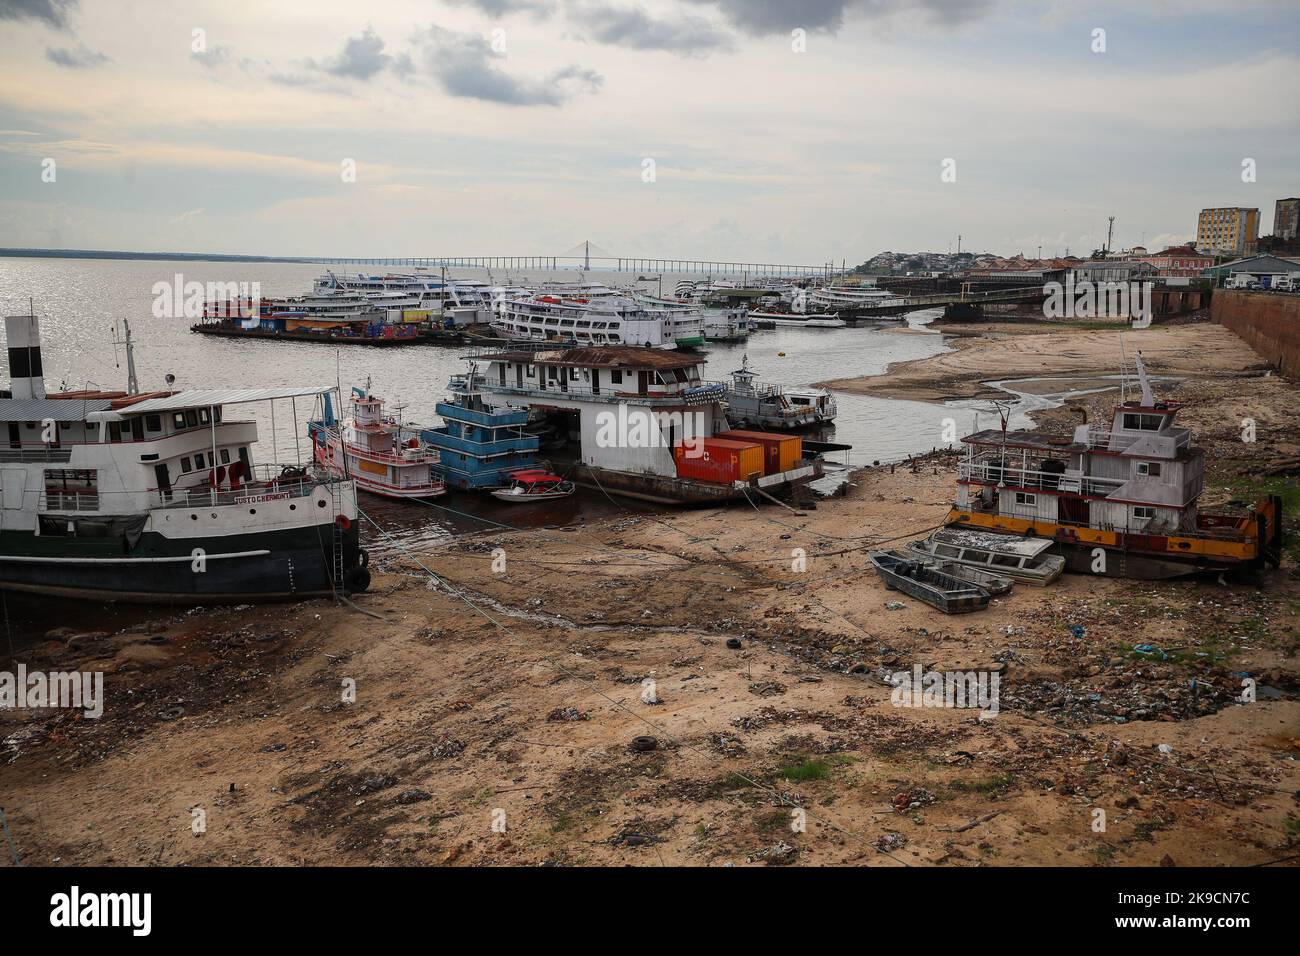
column 35, row 453
column 269, row 483
column 696, row 393
column 63, row 501
column 1101, row 437
column 993, row 471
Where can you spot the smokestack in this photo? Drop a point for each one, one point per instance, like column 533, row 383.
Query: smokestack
column 23, row 335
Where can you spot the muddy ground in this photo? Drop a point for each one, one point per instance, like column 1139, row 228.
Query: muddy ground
column 513, row 697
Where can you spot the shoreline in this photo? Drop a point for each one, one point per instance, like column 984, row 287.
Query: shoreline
column 522, row 691
column 1018, row 350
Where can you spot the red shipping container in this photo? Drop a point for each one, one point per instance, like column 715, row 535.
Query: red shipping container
column 718, row 460
column 780, row 452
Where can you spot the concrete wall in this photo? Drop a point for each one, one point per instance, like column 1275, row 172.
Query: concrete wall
column 1268, row 322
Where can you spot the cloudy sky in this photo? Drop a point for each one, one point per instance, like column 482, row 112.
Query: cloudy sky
column 521, row 127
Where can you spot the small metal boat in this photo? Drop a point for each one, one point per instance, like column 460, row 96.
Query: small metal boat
column 1026, row 560
column 922, row 581
column 533, row 485
column 996, row 584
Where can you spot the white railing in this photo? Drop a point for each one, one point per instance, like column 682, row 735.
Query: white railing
column 994, row 472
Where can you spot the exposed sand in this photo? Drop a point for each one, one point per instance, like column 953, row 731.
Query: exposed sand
column 989, row 351
column 456, row 718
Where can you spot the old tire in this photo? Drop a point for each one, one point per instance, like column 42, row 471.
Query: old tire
column 357, row 580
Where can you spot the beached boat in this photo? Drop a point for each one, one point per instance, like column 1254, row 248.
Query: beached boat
column 996, row 584
column 159, row 497
column 534, row 485
column 924, row 582
column 368, row 447
column 1028, row 560
column 1117, row 499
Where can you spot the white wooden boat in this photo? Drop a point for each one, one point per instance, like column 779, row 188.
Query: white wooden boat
column 1027, row 560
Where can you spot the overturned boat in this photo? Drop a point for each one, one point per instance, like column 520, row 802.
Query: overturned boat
column 924, row 582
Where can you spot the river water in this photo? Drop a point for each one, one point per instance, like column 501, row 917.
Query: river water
column 81, row 301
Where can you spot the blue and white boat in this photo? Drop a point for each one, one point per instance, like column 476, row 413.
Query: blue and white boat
column 478, row 444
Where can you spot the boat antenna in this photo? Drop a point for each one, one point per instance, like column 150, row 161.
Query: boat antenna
column 1148, row 398
column 1123, row 369
column 132, row 385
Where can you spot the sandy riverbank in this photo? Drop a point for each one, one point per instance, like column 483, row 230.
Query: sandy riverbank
column 984, row 351
column 525, row 709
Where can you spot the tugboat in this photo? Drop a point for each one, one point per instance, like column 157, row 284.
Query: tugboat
column 157, row 497
column 367, row 447
column 769, row 406
column 1118, row 501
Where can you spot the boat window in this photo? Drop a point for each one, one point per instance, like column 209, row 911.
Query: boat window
column 114, row 431
column 191, row 419
column 1151, row 468
column 217, row 413
column 198, row 460
column 1142, row 511
column 204, row 418
column 1146, row 423
column 178, row 420
column 1026, row 499
column 153, row 423
column 185, row 465
column 531, row 371
column 979, row 557
column 947, row 550
column 1006, row 561
column 225, row 456
column 616, row 376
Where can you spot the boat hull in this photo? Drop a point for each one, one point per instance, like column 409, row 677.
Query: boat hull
column 972, row 598
column 272, row 565
column 664, row 490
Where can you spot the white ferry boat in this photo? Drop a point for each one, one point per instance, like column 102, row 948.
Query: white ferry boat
column 586, row 320
column 368, row 448
column 158, row 497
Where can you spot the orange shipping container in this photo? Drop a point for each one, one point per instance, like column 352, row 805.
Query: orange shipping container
column 780, row 452
column 719, row 460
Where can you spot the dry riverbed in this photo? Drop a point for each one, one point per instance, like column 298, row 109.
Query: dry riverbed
column 514, row 698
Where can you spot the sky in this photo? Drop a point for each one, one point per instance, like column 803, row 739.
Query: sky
column 744, row 130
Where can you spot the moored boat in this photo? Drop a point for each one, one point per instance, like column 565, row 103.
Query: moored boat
column 924, row 582
column 368, row 447
column 158, row 497
column 534, row 485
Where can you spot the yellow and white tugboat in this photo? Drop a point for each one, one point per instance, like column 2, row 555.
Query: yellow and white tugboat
column 1118, row 501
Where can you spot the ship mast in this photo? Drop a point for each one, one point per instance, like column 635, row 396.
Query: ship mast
column 132, row 385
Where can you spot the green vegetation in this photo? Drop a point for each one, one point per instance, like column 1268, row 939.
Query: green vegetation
column 988, row 787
